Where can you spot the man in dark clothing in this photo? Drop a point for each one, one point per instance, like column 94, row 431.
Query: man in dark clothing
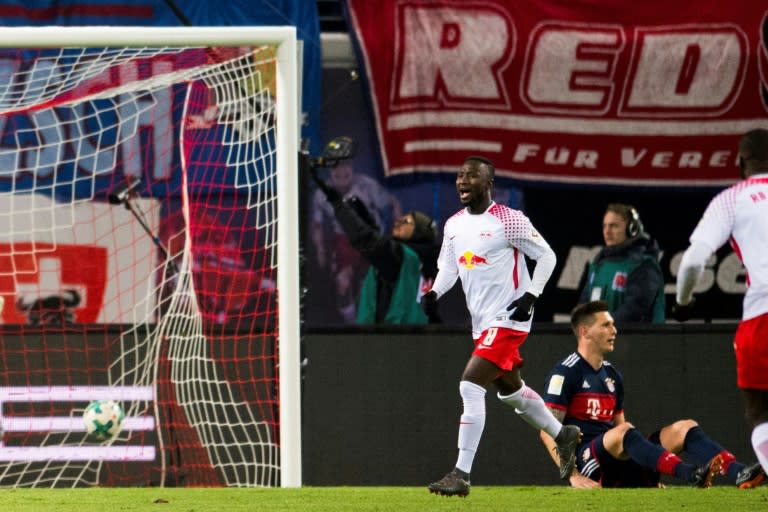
column 403, row 263
column 626, row 272
column 586, row 390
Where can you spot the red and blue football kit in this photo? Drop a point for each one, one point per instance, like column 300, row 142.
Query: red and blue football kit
column 590, row 399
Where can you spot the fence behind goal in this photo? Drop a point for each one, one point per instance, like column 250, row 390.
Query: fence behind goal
column 145, row 256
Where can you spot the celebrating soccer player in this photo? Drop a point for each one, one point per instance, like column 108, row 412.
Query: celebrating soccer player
column 485, row 245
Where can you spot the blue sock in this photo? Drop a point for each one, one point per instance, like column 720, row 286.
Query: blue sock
column 654, row 457
column 641, row 450
column 699, row 446
column 702, row 448
column 732, row 470
column 684, row 471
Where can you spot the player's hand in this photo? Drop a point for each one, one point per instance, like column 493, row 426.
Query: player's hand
column 429, row 304
column 523, row 307
column 579, row 481
column 682, row 313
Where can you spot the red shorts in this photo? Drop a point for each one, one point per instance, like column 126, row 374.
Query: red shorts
column 501, row 346
column 751, row 347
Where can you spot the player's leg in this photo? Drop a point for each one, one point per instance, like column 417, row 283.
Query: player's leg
column 587, row 461
column 756, row 407
column 489, row 360
column 513, row 391
column 478, row 373
column 611, row 465
column 687, row 436
column 502, row 347
column 752, row 378
column 531, row 408
column 496, row 359
column 626, row 441
column 673, row 436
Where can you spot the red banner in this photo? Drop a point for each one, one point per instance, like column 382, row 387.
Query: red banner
column 607, row 91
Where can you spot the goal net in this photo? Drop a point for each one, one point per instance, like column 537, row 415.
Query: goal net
column 149, row 255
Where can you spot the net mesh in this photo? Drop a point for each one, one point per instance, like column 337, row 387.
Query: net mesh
column 137, row 263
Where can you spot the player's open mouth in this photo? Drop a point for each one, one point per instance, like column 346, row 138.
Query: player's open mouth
column 464, row 194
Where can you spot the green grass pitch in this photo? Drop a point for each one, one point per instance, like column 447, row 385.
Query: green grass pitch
column 374, row 499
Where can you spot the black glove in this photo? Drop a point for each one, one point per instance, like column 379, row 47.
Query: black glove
column 523, row 307
column 429, row 304
column 331, row 193
column 682, row 313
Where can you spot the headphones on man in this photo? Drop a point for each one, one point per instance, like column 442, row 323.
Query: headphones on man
column 634, row 224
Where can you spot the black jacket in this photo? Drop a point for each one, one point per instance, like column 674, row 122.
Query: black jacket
column 384, row 252
column 643, row 298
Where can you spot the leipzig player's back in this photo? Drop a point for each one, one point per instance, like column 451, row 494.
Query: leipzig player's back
column 739, row 214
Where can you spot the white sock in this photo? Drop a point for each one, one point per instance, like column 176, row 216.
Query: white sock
column 760, row 443
column 529, row 405
column 471, row 424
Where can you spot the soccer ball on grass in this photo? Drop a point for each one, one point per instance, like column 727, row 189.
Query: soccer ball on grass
column 103, row 419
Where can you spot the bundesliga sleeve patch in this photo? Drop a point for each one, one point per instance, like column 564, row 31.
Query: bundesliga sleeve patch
column 555, row 385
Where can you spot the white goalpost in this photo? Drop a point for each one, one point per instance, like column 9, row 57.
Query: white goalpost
column 149, row 246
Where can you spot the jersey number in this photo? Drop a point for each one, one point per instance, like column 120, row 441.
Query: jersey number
column 490, row 335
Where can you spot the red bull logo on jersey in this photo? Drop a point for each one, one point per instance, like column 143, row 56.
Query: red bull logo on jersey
column 470, row 260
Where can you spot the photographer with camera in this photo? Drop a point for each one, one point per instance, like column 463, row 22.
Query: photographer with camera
column 403, row 262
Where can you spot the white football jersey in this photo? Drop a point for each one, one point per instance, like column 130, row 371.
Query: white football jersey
column 740, row 214
column 487, row 252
